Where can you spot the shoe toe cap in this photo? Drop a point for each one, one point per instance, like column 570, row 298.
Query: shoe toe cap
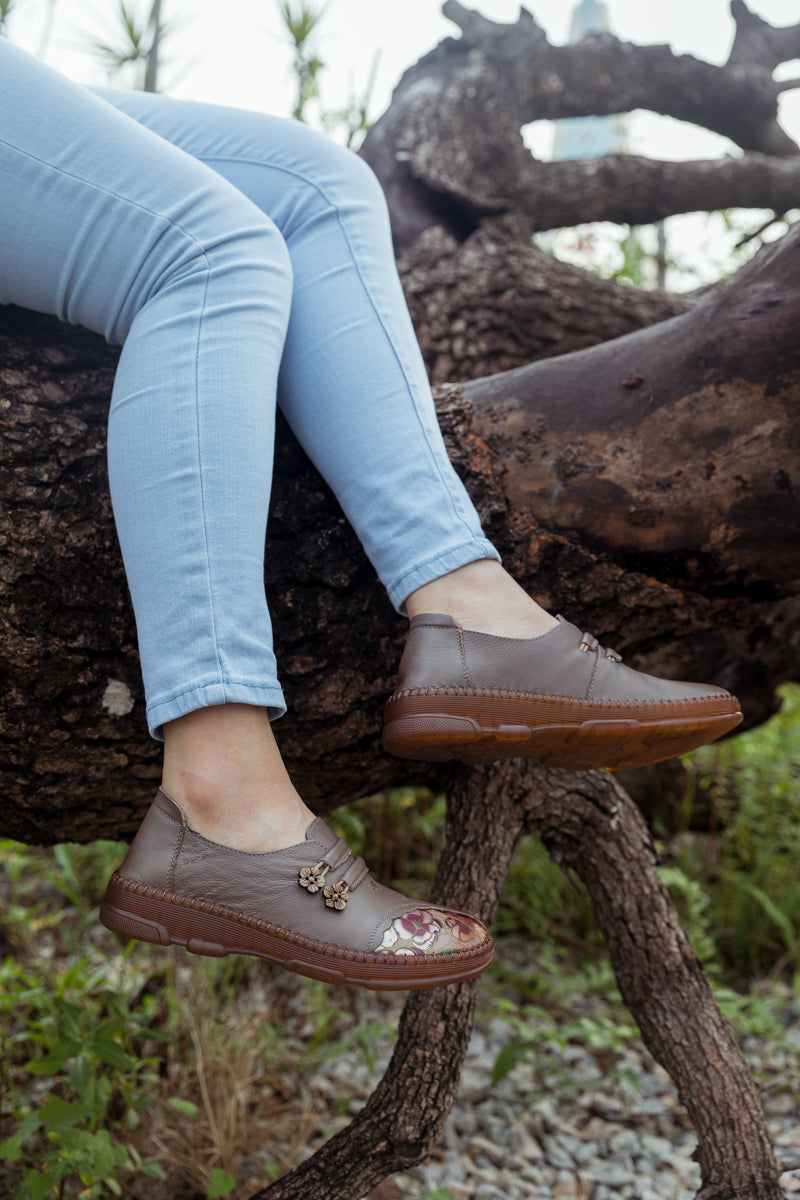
column 425, row 929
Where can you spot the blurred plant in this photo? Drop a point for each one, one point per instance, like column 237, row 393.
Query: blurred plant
column 301, row 21
column 139, row 46
column 749, row 869
column 400, row 832
column 540, row 1037
column 5, row 12
column 146, row 1064
column 703, row 247
column 83, row 1040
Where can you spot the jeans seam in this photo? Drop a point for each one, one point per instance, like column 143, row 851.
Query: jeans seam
column 212, row 612
column 91, row 183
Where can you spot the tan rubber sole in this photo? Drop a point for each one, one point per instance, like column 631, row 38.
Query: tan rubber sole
column 150, row 915
column 480, row 727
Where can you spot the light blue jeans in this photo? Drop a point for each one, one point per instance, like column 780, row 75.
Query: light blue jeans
column 239, row 259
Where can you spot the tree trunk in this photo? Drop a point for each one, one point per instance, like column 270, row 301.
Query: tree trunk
column 646, row 486
column 496, row 301
column 75, row 762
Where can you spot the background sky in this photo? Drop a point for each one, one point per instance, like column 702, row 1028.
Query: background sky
column 235, row 52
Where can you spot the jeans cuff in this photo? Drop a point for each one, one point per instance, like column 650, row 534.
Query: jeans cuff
column 434, row 568
column 269, row 696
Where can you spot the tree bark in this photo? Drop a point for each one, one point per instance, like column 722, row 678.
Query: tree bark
column 439, row 165
column 647, row 487
column 496, row 301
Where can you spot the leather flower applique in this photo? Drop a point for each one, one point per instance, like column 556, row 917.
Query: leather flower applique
column 312, row 878
column 336, row 895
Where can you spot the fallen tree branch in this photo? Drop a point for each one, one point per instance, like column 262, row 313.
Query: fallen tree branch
column 449, row 150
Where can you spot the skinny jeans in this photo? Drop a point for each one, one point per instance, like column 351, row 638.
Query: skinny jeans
column 241, row 261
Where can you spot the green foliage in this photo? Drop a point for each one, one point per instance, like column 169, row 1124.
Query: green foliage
column 540, row 1032
column 400, row 833
column 542, row 902
column 100, row 1048
column 136, row 42
column 301, row 21
column 698, row 248
column 84, row 1041
column 220, row 1184
column 748, row 864
column 5, row 12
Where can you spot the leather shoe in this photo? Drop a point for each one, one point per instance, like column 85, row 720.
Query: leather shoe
column 312, row 908
column 560, row 698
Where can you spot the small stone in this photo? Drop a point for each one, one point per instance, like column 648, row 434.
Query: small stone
column 648, row 1106
column 531, row 1175
column 523, row 1145
column 557, row 1156
column 612, row 1173
column 625, row 1142
column 666, row 1185
column 571, row 1145
column 465, row 1120
column 484, row 1147
column 546, row 1110
column 659, row 1148
column 567, row 1187
column 643, row 1189
column 598, row 1130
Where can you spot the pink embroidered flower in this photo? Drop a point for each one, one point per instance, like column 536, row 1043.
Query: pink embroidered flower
column 462, row 928
column 417, row 929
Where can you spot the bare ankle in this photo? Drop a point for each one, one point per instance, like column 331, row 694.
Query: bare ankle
column 483, row 597
column 223, row 767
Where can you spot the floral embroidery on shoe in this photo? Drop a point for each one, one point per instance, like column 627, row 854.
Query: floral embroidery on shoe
column 415, row 930
column 463, row 928
column 312, row 878
column 336, row 895
column 423, row 931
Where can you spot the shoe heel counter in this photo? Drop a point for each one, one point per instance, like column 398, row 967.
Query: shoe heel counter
column 433, row 654
column 152, row 853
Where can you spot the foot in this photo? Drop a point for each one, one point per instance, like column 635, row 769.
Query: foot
column 560, row 698
column 311, row 907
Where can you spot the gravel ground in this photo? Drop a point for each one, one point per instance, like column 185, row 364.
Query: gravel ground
column 592, row 1124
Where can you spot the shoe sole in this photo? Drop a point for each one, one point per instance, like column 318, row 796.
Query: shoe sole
column 439, row 724
column 133, row 910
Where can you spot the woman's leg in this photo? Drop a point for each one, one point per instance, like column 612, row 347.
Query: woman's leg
column 353, row 384
column 112, row 228
column 354, row 389
column 109, row 226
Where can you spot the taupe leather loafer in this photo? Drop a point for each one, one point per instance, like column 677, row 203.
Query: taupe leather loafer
column 560, row 698
column 312, row 908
